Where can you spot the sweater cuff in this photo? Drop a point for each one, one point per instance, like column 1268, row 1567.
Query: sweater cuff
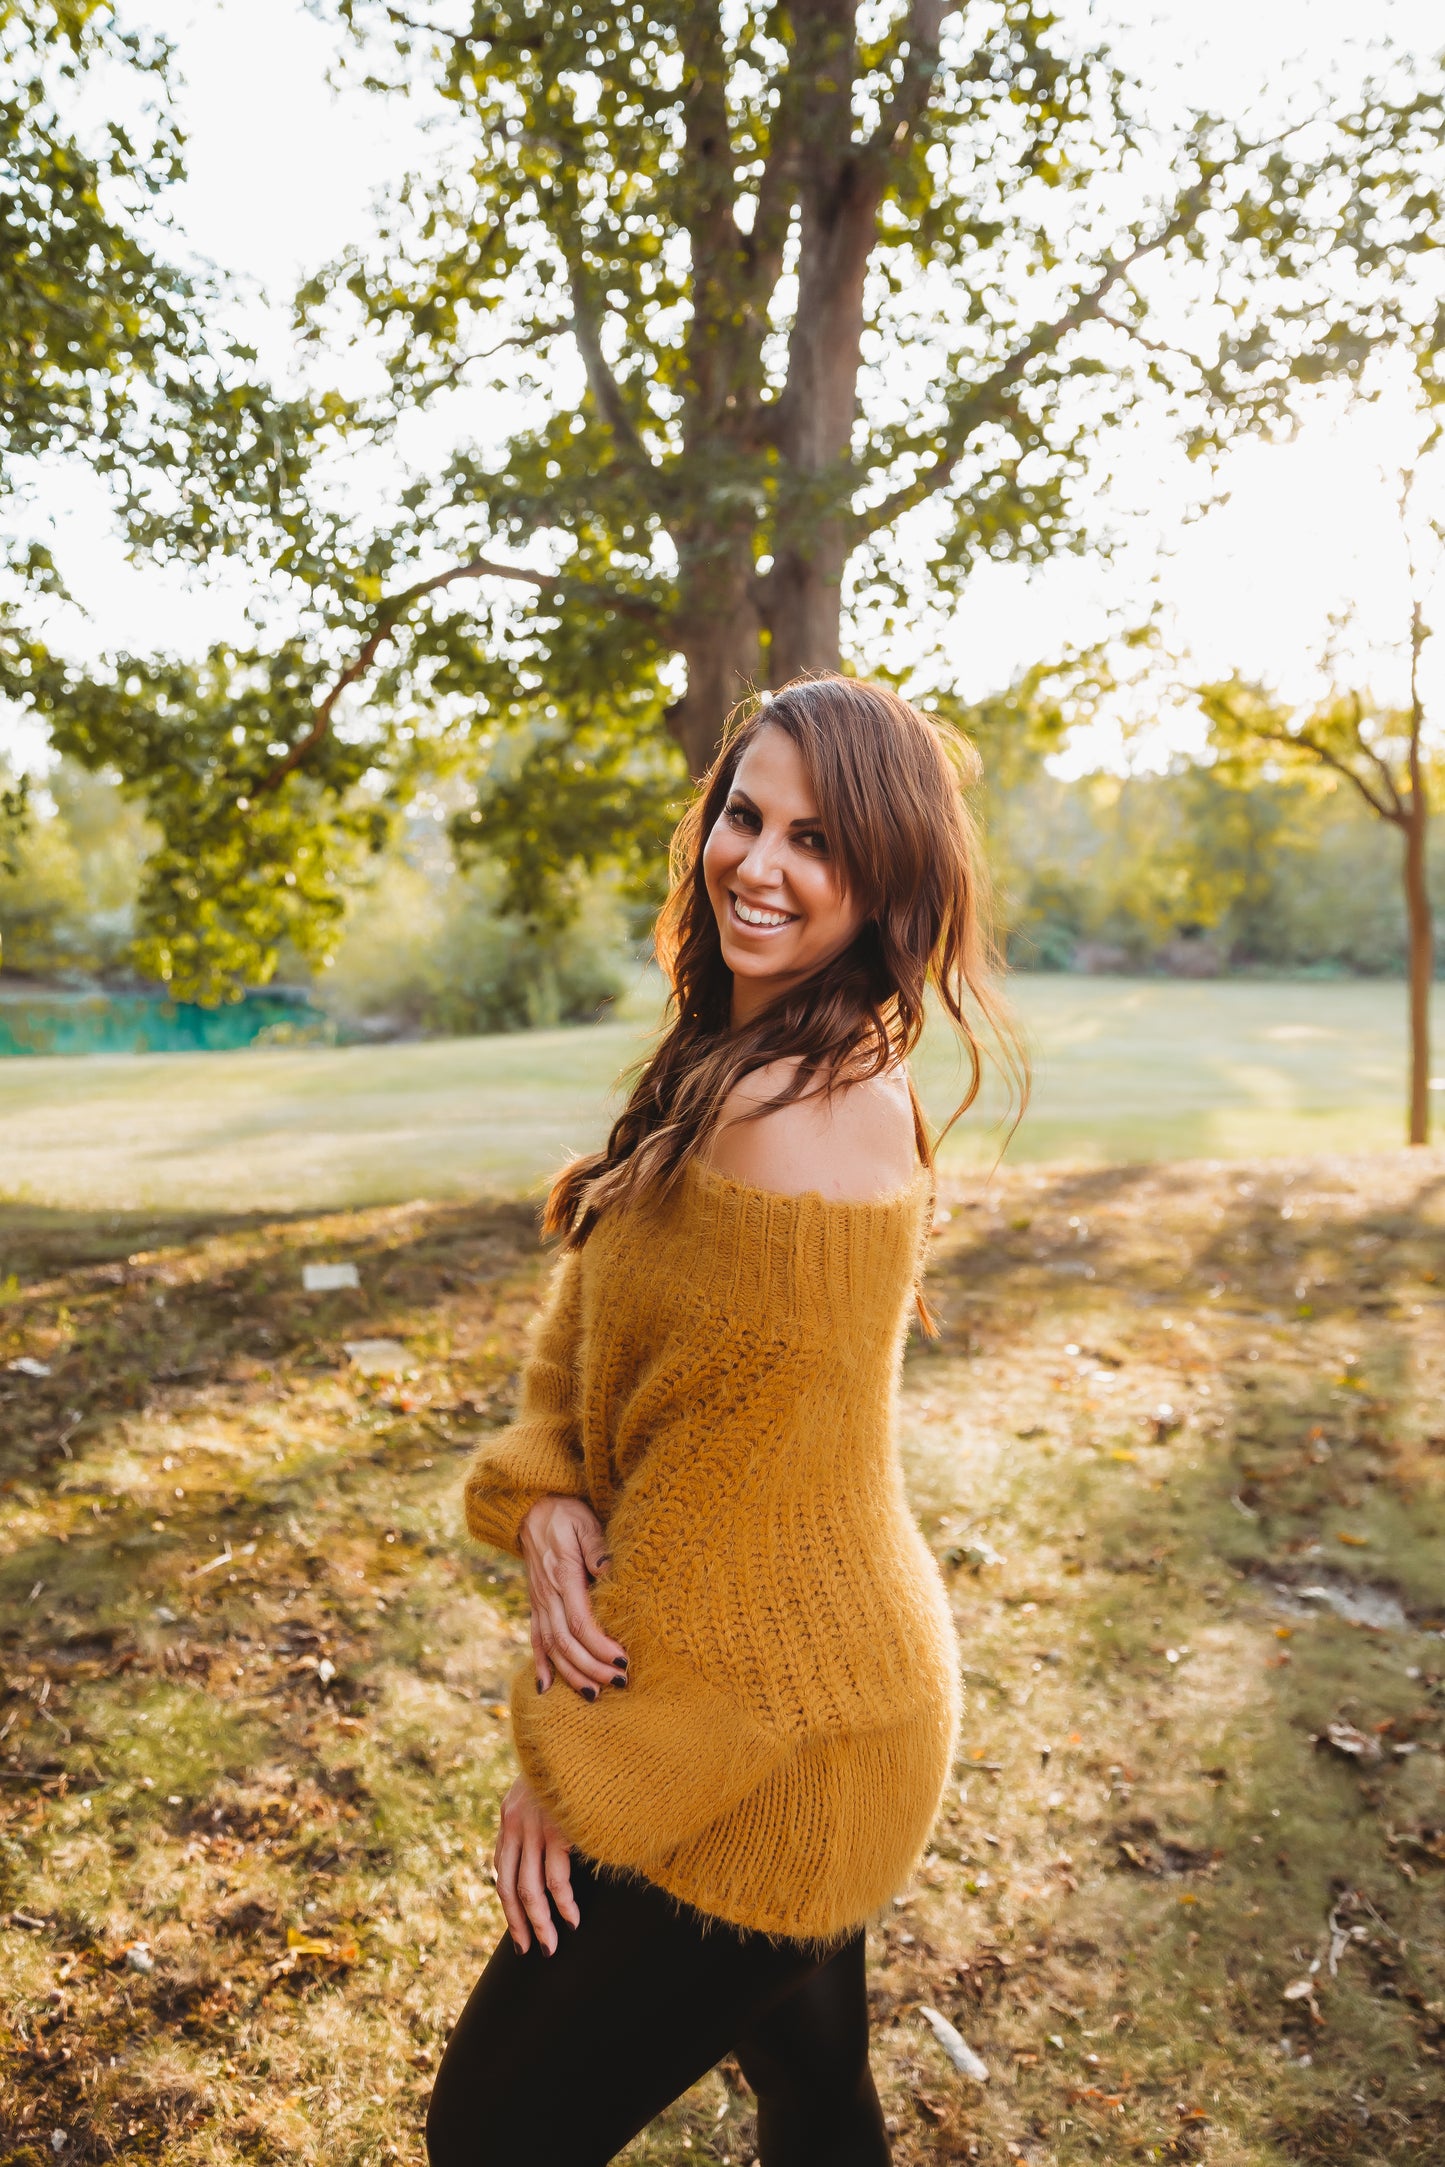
column 508, row 1476
column 495, row 1515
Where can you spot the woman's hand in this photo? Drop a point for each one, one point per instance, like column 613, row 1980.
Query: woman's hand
column 531, row 1858
column 564, row 1550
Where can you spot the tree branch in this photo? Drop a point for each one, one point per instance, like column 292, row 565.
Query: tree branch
column 1390, row 808
column 603, row 385
column 986, row 399
column 395, row 608
column 448, row 378
column 1375, row 759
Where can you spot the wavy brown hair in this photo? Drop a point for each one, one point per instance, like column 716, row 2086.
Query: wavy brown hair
column 889, row 786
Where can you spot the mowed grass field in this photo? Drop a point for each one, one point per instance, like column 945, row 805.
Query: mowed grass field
column 1179, row 1451
column 1125, row 1070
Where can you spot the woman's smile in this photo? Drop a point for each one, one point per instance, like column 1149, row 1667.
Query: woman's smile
column 759, row 917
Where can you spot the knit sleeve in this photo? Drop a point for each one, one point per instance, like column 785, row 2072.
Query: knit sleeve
column 540, row 1454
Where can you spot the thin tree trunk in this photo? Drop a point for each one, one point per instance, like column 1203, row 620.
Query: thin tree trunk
column 1422, row 964
column 1417, row 885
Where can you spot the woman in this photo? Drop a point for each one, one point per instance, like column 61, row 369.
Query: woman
column 740, row 1711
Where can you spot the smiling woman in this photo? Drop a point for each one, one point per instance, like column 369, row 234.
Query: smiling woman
column 740, row 1708
column 834, row 813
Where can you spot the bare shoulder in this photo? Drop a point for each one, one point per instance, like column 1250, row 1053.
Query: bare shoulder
column 854, row 1144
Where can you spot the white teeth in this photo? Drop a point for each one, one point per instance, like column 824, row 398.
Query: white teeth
column 750, row 915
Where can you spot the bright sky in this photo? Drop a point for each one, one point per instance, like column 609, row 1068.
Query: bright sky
column 282, row 169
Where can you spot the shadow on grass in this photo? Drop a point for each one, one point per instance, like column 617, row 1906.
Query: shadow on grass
column 1291, row 1464
column 232, row 1714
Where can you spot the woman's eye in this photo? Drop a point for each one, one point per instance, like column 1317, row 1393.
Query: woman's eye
column 742, row 816
column 815, row 841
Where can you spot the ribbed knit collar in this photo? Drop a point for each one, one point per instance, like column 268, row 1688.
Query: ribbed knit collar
column 822, row 1262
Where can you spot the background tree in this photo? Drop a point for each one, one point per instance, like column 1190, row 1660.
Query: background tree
column 799, row 309
column 88, row 312
column 112, row 353
column 108, row 350
column 1381, row 752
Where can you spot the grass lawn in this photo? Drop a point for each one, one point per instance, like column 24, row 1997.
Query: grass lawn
column 1126, row 1069
column 1179, row 1449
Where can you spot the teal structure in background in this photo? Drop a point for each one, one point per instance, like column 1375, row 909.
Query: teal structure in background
column 59, row 1019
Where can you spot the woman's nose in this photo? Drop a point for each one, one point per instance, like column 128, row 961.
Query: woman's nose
column 760, row 861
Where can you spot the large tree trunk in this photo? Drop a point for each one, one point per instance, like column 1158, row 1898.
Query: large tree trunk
column 838, row 183
column 804, row 609
column 1422, row 964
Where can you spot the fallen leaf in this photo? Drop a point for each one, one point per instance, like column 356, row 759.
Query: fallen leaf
column 299, row 1943
column 959, row 2052
column 1354, row 1745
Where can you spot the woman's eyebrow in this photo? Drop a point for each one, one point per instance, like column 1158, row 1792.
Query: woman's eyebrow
column 804, row 820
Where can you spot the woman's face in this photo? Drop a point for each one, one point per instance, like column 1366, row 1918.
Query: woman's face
column 775, row 888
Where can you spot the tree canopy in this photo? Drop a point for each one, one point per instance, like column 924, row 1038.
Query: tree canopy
column 729, row 325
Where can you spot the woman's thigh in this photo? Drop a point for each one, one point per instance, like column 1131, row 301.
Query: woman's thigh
column 806, row 2057
column 558, row 2061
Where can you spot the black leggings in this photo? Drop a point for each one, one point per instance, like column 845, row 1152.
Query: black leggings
column 557, row 2061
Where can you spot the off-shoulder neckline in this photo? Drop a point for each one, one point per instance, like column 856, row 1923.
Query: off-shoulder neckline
column 710, row 1177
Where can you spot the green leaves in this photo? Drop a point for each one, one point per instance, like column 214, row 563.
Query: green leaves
column 246, row 864
column 755, row 287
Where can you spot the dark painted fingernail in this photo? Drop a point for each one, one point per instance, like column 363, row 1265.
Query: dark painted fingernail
column 540, row 1687
column 589, row 1692
column 621, row 1684
column 619, row 1662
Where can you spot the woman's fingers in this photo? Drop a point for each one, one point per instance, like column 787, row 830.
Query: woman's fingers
column 539, row 1655
column 508, row 1858
column 564, row 1619
column 532, row 1887
column 564, row 1548
column 593, row 1545
column 557, row 1871
column 576, row 1592
column 534, row 1872
column 569, row 1660
column 574, row 1587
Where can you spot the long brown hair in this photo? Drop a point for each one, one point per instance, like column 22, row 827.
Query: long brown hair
column 889, row 786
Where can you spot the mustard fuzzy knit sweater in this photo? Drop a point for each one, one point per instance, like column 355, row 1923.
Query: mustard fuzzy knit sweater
column 716, row 1373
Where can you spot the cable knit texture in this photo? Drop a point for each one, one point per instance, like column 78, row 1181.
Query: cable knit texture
column 716, row 1373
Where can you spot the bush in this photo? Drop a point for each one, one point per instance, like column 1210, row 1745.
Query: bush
column 67, row 902
column 1188, row 874
column 431, row 953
